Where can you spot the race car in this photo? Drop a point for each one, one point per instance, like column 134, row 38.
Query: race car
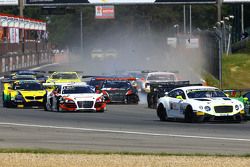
column 23, row 93
column 63, row 77
column 120, row 90
column 37, row 75
column 199, row 103
column 158, row 77
column 243, row 95
column 158, row 89
column 74, row 97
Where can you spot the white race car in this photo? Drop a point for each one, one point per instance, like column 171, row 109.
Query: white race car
column 199, row 103
column 155, row 77
column 75, row 97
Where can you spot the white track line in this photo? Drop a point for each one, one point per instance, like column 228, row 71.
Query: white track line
column 123, row 132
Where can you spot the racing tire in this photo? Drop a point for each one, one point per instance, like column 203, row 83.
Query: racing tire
column 45, row 102
column 155, row 99
column 5, row 104
column 150, row 101
column 190, row 116
column 161, row 113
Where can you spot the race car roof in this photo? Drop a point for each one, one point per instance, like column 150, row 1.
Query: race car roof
column 65, row 83
column 117, row 79
column 197, row 87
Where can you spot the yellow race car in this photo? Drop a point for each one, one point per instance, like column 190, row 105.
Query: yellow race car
column 23, row 93
column 63, row 77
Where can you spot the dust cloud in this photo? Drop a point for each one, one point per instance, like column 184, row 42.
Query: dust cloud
column 121, row 48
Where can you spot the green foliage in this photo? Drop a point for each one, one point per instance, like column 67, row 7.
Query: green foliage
column 235, row 72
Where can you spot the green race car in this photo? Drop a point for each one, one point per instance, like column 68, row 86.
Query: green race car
column 243, row 96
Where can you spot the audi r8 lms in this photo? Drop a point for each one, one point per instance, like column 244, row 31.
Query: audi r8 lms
column 63, row 77
column 23, row 93
column 75, row 97
column 199, row 103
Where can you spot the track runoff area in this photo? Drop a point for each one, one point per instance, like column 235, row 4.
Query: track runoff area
column 122, row 128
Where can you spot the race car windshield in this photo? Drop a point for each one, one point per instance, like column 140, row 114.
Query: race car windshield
column 28, row 86
column 96, row 83
column 168, row 77
column 205, row 94
column 64, row 76
column 116, row 84
column 76, row 90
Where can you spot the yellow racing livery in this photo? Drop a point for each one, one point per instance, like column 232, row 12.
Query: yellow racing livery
column 23, row 93
column 63, row 77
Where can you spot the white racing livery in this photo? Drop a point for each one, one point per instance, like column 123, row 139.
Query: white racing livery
column 74, row 97
column 199, row 103
column 155, row 77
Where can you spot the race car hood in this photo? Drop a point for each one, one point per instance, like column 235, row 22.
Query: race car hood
column 80, row 97
column 62, row 80
column 219, row 101
column 114, row 89
column 32, row 93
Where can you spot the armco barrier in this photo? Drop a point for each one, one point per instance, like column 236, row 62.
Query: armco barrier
column 16, row 61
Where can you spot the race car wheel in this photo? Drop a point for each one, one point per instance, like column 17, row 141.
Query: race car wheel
column 45, row 107
column 191, row 117
column 4, row 102
column 161, row 113
column 155, row 99
column 150, row 101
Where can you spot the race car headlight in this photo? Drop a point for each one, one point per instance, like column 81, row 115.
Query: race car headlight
column 67, row 101
column 129, row 92
column 237, row 107
column 207, row 108
column 99, row 100
column 19, row 96
column 241, row 106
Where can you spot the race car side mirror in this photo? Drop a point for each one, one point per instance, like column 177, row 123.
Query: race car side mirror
column 245, row 99
column 166, row 93
column 179, row 97
column 227, row 95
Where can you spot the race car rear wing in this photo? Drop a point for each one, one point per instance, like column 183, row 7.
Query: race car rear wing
column 235, row 92
column 27, row 71
column 116, row 79
column 162, row 87
column 78, row 72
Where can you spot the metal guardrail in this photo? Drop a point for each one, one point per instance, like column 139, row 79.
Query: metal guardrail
column 240, row 45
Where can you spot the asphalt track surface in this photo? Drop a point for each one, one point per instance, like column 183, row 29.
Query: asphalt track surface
column 121, row 128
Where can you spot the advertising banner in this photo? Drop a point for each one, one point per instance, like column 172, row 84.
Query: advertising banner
column 14, row 35
column 74, row 2
column 1, row 33
column 104, row 12
column 8, row 2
